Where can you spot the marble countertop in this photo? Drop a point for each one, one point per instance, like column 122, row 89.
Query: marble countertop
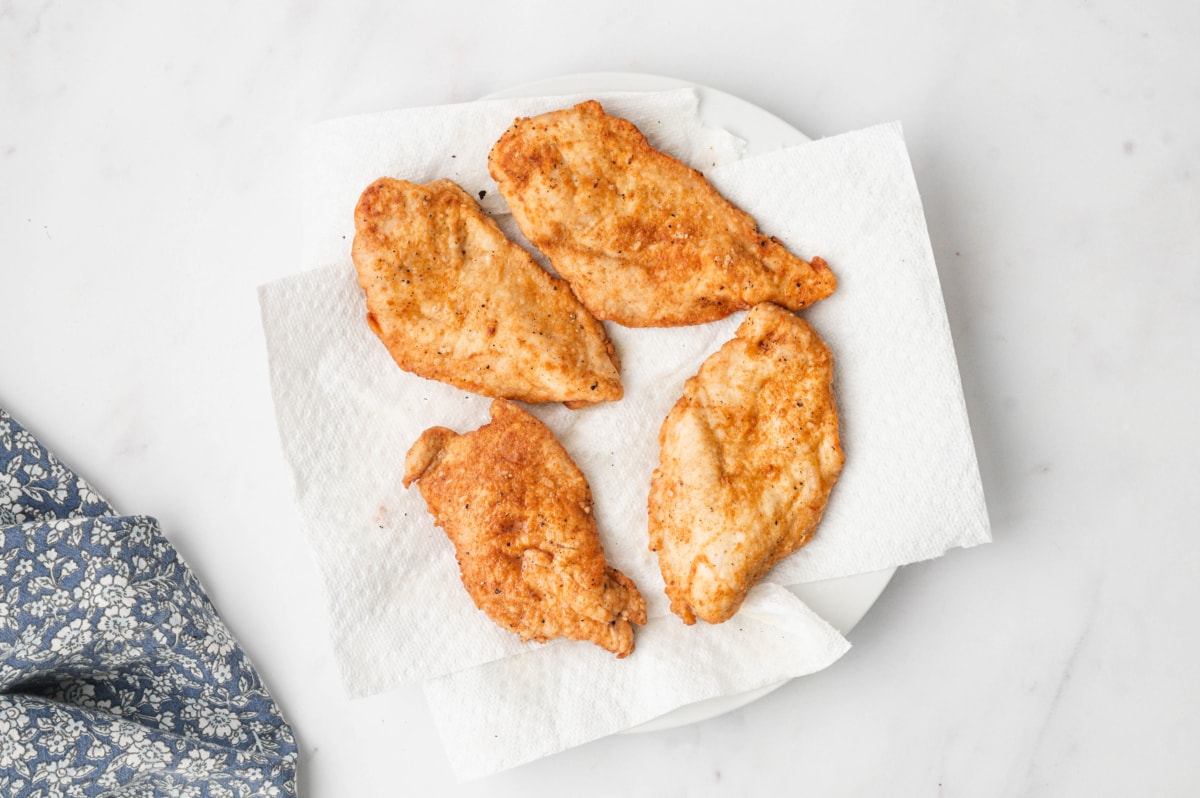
column 147, row 186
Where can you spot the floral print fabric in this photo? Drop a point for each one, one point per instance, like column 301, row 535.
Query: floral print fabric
column 117, row 677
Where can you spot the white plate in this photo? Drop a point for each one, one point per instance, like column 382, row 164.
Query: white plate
column 843, row 602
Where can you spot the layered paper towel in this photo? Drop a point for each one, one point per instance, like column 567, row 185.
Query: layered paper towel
column 517, row 709
column 910, row 489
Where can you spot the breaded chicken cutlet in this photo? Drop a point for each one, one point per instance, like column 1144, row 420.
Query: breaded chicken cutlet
column 749, row 456
column 454, row 300
column 519, row 513
column 644, row 240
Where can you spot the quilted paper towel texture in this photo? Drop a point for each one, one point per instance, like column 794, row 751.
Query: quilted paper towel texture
column 910, row 489
column 347, row 415
column 518, row 709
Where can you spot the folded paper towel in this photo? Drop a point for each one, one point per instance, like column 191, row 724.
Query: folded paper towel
column 910, row 490
column 517, row 709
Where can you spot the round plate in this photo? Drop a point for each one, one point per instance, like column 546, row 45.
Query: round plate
column 842, row 602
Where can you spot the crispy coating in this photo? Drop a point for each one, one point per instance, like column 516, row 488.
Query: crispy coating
column 749, row 456
column 644, row 240
column 454, row 300
column 519, row 513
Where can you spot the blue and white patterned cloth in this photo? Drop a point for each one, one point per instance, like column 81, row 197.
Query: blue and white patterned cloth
column 117, row 677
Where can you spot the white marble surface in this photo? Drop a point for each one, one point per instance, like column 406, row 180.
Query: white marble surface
column 147, row 185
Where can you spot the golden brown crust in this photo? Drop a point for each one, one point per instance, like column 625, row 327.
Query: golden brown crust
column 454, row 300
column 644, row 240
column 519, row 513
column 750, row 454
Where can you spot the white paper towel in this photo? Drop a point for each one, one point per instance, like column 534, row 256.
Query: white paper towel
column 347, row 415
column 520, row 708
column 910, row 489
column 341, row 157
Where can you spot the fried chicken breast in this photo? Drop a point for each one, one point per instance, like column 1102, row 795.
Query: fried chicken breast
column 454, row 300
column 519, row 513
column 749, row 456
column 644, row 240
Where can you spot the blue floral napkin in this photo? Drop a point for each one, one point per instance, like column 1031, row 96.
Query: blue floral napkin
column 117, row 677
